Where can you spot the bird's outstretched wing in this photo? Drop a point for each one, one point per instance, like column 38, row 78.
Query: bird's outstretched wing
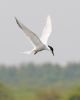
column 47, row 30
column 32, row 36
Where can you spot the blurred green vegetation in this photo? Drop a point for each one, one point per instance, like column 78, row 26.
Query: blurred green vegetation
column 5, row 93
column 40, row 82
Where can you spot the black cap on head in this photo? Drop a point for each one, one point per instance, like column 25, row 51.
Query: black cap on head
column 52, row 50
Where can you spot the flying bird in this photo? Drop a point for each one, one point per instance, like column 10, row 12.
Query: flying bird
column 39, row 44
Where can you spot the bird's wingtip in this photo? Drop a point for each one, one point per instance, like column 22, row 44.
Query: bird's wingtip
column 49, row 17
column 18, row 22
column 15, row 18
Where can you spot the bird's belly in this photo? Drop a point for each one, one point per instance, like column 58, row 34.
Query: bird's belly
column 40, row 48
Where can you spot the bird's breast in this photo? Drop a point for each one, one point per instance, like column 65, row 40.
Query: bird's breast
column 40, row 48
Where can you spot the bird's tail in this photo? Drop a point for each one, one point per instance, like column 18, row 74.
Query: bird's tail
column 26, row 52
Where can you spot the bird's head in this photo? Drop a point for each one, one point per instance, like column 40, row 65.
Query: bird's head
column 51, row 49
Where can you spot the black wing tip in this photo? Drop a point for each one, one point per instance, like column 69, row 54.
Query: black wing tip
column 16, row 19
column 17, row 22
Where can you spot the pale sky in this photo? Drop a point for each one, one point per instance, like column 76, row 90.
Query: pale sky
column 65, row 38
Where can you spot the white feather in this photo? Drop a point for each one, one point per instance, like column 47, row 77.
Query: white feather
column 39, row 44
column 32, row 36
column 46, row 31
column 26, row 52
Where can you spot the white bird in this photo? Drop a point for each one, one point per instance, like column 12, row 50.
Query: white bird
column 39, row 44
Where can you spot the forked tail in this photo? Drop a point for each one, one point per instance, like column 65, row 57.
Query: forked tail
column 27, row 52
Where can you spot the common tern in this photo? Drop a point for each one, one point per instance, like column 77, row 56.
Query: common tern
column 39, row 44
